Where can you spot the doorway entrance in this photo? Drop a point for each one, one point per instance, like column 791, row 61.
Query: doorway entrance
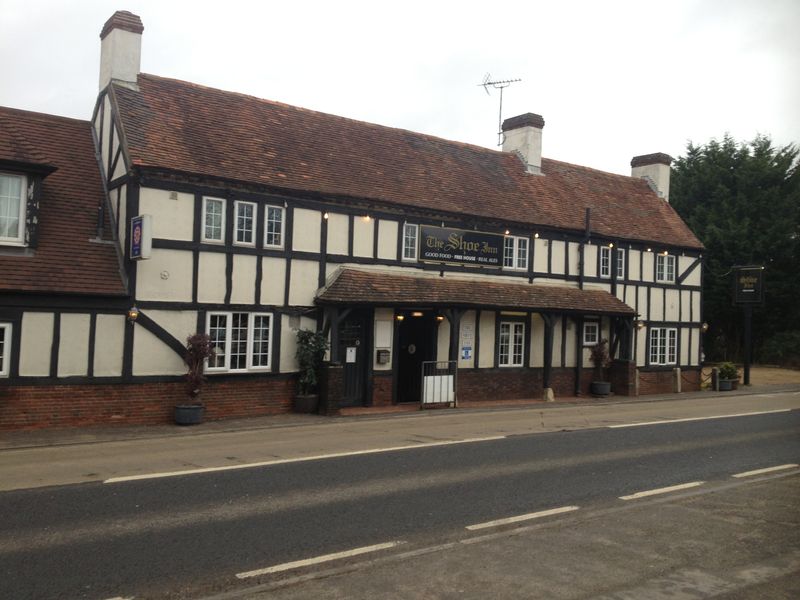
column 354, row 351
column 417, row 335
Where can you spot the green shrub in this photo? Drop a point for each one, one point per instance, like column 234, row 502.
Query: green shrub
column 782, row 349
column 311, row 348
column 728, row 370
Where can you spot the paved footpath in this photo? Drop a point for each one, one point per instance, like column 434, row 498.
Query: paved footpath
column 44, row 458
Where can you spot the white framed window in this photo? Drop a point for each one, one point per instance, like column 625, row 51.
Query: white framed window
column 245, row 213
column 663, row 345
column 665, row 268
column 591, row 333
column 410, row 241
column 620, row 263
column 213, row 220
column 12, row 209
column 242, row 341
column 511, row 348
column 605, row 261
column 515, row 253
column 274, row 225
column 5, row 349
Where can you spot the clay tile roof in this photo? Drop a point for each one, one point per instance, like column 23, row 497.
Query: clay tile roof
column 183, row 127
column 65, row 261
column 353, row 286
column 122, row 19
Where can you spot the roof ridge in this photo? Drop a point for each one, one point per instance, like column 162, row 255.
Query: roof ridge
column 41, row 115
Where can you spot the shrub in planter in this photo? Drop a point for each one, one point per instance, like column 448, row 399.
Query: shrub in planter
column 601, row 360
column 311, row 349
column 728, row 374
column 198, row 350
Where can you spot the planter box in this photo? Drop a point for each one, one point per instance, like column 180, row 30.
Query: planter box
column 601, row 388
column 306, row 404
column 726, row 385
column 189, row 414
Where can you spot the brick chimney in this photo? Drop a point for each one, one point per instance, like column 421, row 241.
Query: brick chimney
column 523, row 134
column 120, row 48
column 655, row 169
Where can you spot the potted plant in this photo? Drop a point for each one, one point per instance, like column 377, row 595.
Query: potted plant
column 311, row 349
column 600, row 359
column 727, row 376
column 198, row 350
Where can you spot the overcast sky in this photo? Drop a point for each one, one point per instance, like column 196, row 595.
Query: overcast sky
column 612, row 79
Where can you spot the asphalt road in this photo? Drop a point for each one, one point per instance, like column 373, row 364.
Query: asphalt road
column 191, row 535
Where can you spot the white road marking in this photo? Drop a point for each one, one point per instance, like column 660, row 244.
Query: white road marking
column 317, row 560
column 528, row 517
column 766, row 470
column 283, row 461
column 664, row 490
column 750, row 414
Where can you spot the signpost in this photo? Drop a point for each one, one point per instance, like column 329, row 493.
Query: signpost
column 748, row 291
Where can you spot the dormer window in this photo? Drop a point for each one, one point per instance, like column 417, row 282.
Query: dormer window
column 12, row 209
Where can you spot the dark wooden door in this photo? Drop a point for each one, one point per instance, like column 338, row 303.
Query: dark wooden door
column 353, row 353
column 416, row 344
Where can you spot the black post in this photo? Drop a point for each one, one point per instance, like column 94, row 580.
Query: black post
column 748, row 342
column 549, row 322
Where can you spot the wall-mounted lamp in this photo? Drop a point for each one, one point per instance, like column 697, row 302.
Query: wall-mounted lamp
column 649, row 249
column 366, row 218
column 665, row 253
column 704, row 327
column 440, row 318
column 611, row 244
column 400, row 317
column 416, row 313
column 325, row 215
column 132, row 314
column 536, row 236
column 640, row 325
column 507, row 232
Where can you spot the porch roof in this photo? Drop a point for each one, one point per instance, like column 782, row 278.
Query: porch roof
column 354, row 287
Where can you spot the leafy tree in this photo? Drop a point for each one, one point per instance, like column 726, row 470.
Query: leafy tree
column 743, row 201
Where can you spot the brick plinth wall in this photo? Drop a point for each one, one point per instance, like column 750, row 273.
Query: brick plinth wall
column 622, row 376
column 331, row 389
column 382, row 388
column 661, row 382
column 59, row 406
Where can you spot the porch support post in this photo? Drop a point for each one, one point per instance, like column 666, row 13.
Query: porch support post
column 333, row 317
column 549, row 323
column 454, row 318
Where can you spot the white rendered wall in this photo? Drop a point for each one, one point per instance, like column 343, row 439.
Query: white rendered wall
column 557, row 258
column 648, row 266
column 307, row 228
column 152, row 357
column 363, row 232
column 634, row 261
column 108, row 345
column 672, row 308
column 590, row 260
column 167, row 275
column 211, row 278
column 273, row 280
column 540, row 255
column 73, row 351
column 467, row 337
column 36, row 343
column 120, row 56
column 338, row 233
column 243, row 279
column 387, row 240
column 486, row 331
column 383, row 336
column 574, row 258
column 303, row 282
column 172, row 219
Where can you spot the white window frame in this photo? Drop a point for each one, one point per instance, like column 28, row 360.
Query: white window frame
column 620, row 263
column 663, row 346
column 519, row 245
column 516, row 331
column 5, row 350
column 665, row 268
column 605, row 262
column 589, row 326
column 19, row 239
column 203, row 231
column 236, row 206
column 407, row 228
column 267, row 232
column 226, row 354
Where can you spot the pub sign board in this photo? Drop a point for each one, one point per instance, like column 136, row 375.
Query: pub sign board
column 748, row 285
column 442, row 244
column 141, row 237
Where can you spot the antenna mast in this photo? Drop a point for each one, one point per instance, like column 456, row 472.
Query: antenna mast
column 498, row 85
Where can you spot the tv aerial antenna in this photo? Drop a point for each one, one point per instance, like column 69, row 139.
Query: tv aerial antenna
column 499, row 84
